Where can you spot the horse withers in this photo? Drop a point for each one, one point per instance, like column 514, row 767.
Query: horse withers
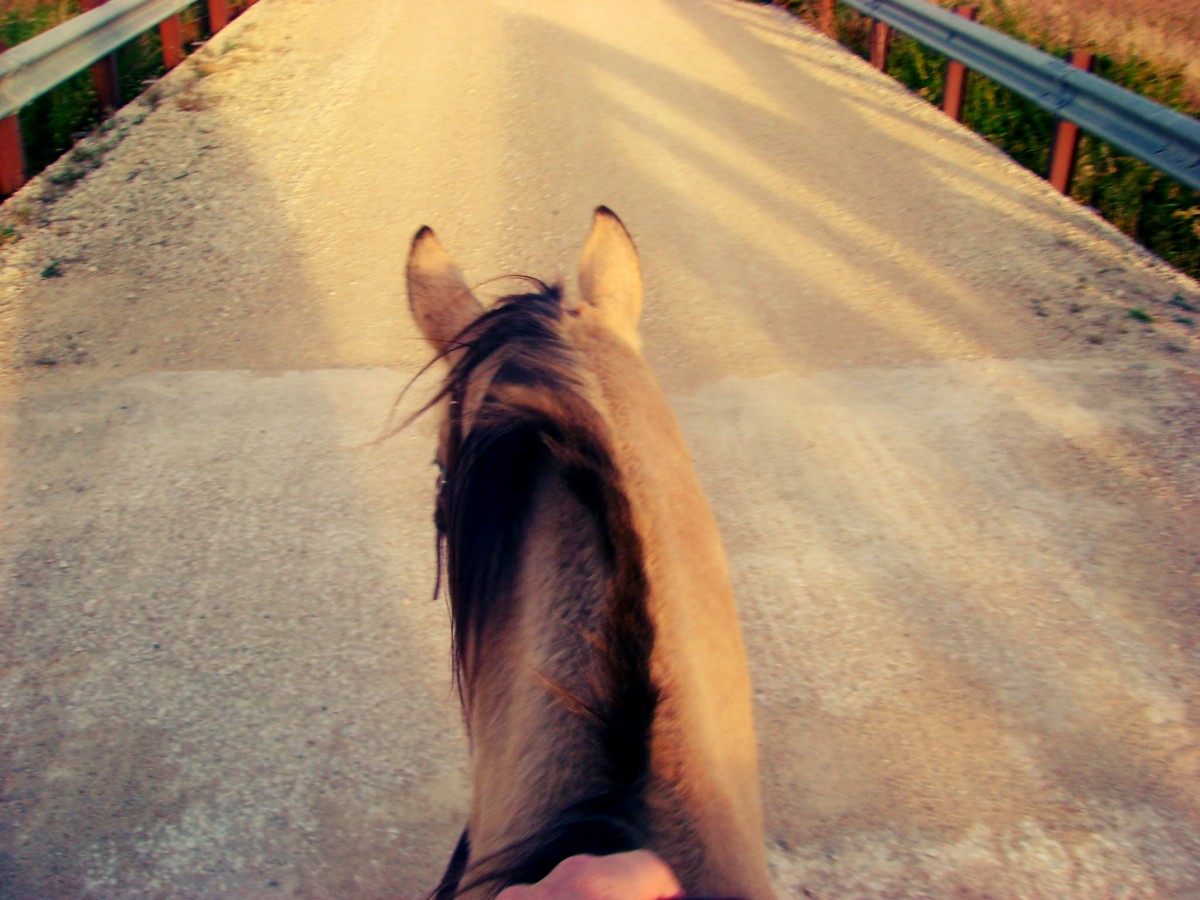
column 596, row 644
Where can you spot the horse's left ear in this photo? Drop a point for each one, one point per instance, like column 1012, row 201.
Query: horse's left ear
column 610, row 273
column 440, row 299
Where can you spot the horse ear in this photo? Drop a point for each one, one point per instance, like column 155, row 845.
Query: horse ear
column 441, row 302
column 610, row 273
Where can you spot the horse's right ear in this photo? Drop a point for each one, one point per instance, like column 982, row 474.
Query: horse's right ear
column 610, row 274
column 441, row 302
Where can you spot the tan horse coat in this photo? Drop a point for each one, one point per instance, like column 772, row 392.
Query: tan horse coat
column 529, row 753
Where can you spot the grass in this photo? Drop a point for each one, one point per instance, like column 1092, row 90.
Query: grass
column 1157, row 211
column 51, row 124
column 1167, row 31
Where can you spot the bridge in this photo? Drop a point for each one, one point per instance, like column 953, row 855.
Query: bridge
column 946, row 418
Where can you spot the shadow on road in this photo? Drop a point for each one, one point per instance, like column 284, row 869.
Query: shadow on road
column 952, row 476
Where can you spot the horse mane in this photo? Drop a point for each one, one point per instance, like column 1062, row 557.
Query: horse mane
column 533, row 414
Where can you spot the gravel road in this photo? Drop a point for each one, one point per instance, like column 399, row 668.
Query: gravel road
column 948, row 422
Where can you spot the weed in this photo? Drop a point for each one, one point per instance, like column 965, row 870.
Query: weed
column 66, row 175
column 151, row 97
column 86, row 153
column 54, row 270
column 1140, row 315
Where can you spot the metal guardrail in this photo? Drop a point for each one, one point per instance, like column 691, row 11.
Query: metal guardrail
column 45, row 61
column 1166, row 139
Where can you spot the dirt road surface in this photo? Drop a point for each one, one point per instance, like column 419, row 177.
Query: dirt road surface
column 947, row 420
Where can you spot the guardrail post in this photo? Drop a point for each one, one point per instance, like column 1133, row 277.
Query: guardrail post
column 171, row 32
column 12, row 152
column 825, row 19
column 12, row 156
column 105, row 76
column 1065, row 146
column 218, row 15
column 881, row 39
column 956, row 75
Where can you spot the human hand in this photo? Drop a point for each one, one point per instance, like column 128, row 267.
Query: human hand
column 636, row 875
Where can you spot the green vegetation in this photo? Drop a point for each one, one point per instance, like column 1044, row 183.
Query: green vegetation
column 1157, row 211
column 51, row 124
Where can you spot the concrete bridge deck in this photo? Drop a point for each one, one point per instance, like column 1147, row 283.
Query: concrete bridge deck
column 956, row 479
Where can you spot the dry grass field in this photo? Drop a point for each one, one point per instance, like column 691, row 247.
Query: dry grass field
column 1163, row 33
column 1174, row 23
column 24, row 6
column 58, row 10
column 1160, row 31
column 37, row 11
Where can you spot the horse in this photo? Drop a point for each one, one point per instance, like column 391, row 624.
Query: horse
column 596, row 647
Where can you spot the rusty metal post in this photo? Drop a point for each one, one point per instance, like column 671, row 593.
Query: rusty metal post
column 105, row 76
column 12, row 152
column 218, row 15
column 171, row 32
column 956, row 75
column 12, row 156
column 1065, row 146
column 881, row 40
column 825, row 20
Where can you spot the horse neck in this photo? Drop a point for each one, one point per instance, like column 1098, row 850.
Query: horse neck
column 538, row 700
column 703, row 784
